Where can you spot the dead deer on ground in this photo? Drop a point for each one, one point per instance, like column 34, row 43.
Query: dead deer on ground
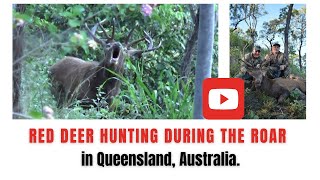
column 278, row 88
column 73, row 78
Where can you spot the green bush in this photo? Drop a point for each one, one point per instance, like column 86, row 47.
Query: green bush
column 151, row 86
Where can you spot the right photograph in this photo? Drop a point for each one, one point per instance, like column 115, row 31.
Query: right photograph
column 268, row 51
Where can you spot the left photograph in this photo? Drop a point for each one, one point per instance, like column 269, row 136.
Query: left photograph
column 107, row 61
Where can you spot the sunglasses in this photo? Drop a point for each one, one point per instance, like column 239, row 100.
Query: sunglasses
column 258, row 51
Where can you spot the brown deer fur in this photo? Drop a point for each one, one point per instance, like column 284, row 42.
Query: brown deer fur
column 73, row 78
column 278, row 88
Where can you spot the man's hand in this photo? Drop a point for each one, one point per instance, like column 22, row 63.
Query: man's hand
column 282, row 67
column 243, row 70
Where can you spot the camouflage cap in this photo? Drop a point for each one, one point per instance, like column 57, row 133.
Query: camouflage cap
column 257, row 48
column 276, row 44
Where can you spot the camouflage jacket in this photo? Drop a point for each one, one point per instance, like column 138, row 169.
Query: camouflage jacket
column 250, row 60
column 275, row 60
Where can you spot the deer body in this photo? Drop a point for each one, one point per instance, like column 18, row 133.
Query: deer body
column 278, row 88
column 73, row 78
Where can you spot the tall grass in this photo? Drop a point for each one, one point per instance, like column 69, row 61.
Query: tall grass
column 169, row 98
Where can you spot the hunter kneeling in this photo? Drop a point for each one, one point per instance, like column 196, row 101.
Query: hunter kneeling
column 276, row 63
column 250, row 62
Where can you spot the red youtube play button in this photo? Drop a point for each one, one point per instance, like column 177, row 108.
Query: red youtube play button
column 223, row 99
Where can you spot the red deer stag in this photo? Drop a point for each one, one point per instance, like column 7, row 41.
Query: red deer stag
column 73, row 78
column 278, row 88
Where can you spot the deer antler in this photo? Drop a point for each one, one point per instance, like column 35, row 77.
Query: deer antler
column 113, row 24
column 128, row 37
column 150, row 41
column 127, row 44
column 247, row 63
column 109, row 39
column 100, row 24
column 104, row 31
column 138, row 53
column 95, row 38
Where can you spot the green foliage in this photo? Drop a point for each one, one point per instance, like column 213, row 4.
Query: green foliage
column 234, row 69
column 251, row 115
column 239, row 46
column 297, row 109
column 260, row 106
column 35, row 93
column 35, row 114
column 151, row 86
column 240, row 42
column 168, row 100
column 296, row 71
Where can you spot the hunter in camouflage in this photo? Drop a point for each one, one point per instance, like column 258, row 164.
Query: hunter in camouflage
column 276, row 63
column 251, row 61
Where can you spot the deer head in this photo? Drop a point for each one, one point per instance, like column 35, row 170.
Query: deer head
column 258, row 75
column 114, row 51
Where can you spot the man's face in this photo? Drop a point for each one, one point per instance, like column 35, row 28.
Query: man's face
column 256, row 53
column 275, row 49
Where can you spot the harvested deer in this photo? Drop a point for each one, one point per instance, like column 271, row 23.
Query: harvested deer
column 73, row 78
column 278, row 88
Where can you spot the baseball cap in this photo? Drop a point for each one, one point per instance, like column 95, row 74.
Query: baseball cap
column 256, row 47
column 276, row 44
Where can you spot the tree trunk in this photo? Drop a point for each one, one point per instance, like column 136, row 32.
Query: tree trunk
column 300, row 57
column 17, row 50
column 286, row 32
column 204, row 55
column 190, row 45
column 252, row 35
column 270, row 42
column 300, row 48
column 270, row 45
